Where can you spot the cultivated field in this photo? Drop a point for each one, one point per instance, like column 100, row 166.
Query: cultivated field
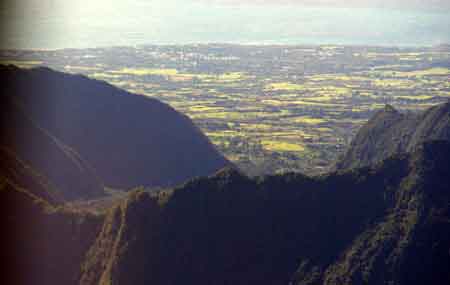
column 268, row 108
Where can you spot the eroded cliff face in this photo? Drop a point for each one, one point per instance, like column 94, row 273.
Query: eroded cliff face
column 410, row 244
column 42, row 243
column 389, row 223
column 126, row 249
column 390, row 132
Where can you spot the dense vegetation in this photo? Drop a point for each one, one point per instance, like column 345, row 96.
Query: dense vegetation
column 384, row 225
column 41, row 242
column 368, row 226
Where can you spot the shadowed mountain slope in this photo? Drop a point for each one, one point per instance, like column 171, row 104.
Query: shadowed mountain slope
column 130, row 140
column 16, row 172
column 410, row 244
column 41, row 242
column 23, row 143
column 387, row 223
column 384, row 224
column 389, row 132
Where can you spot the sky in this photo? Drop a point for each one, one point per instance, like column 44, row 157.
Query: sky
column 52, row 24
column 399, row 4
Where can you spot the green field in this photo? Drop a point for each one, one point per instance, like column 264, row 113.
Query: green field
column 270, row 111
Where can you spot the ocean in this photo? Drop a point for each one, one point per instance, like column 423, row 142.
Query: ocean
column 102, row 23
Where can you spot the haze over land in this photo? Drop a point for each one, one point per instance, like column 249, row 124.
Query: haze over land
column 50, row 24
column 268, row 109
column 221, row 142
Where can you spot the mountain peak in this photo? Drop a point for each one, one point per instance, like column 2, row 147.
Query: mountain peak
column 228, row 173
column 389, row 109
column 387, row 113
column 389, row 132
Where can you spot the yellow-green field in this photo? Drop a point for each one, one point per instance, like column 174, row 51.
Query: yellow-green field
column 266, row 107
column 22, row 63
column 281, row 146
column 269, row 123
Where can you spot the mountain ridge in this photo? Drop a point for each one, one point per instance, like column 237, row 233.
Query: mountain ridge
column 382, row 219
column 289, row 228
column 389, row 132
column 130, row 140
column 69, row 176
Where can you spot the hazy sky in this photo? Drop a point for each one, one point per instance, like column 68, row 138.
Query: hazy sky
column 400, row 4
column 90, row 23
